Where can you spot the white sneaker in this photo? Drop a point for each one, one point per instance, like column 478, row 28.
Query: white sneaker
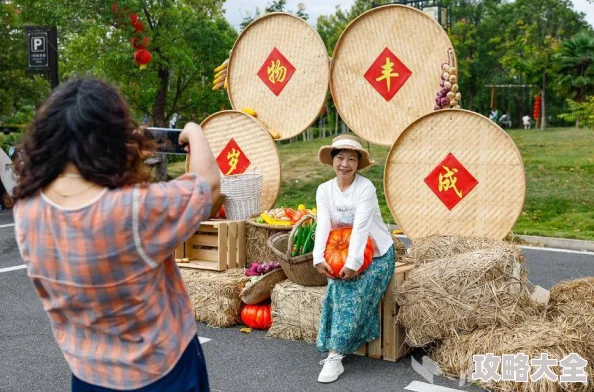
column 332, row 368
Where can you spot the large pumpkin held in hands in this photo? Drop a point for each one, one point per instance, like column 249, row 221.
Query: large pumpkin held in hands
column 337, row 249
column 256, row 316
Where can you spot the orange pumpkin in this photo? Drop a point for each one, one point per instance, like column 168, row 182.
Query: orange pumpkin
column 256, row 316
column 337, row 249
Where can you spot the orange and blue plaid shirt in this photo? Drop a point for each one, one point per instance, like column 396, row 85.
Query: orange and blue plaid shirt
column 108, row 281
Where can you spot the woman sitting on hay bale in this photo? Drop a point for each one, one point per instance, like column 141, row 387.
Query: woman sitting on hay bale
column 349, row 315
column 98, row 242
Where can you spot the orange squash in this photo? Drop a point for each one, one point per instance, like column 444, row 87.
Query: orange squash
column 337, row 249
column 256, row 316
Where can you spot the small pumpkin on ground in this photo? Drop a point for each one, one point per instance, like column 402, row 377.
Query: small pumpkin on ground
column 257, row 316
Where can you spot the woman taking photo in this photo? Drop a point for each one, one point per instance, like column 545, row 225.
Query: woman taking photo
column 350, row 310
column 98, row 242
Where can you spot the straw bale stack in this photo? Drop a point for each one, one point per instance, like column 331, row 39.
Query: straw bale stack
column 215, row 295
column 296, row 311
column 461, row 293
column 532, row 337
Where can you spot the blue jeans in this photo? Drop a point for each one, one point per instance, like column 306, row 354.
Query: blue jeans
column 188, row 375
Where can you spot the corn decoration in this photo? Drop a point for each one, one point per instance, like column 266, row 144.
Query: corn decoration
column 449, row 95
column 252, row 112
column 220, row 77
column 249, row 111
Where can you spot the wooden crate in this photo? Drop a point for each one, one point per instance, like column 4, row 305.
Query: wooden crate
column 390, row 346
column 217, row 246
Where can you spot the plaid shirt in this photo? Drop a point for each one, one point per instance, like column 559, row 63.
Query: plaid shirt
column 105, row 273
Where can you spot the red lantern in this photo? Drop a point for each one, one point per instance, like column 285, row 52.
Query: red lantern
column 536, row 111
column 136, row 23
column 140, row 43
column 142, row 57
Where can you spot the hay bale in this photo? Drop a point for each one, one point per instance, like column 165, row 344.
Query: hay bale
column 256, row 250
column 532, row 337
column 461, row 293
column 572, row 306
column 215, row 295
column 429, row 249
column 399, row 249
column 296, row 311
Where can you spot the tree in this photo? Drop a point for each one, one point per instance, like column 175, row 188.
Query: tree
column 473, row 35
column 20, row 93
column 532, row 37
column 576, row 65
column 580, row 112
column 275, row 6
column 187, row 40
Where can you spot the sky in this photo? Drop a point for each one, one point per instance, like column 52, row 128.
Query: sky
column 237, row 9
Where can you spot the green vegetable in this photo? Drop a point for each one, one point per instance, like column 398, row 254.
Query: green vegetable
column 306, row 233
column 296, row 239
column 310, row 241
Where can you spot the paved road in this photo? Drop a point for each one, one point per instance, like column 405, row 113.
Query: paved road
column 30, row 360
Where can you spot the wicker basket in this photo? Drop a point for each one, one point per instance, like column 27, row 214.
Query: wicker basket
column 242, row 195
column 257, row 235
column 298, row 269
column 255, row 293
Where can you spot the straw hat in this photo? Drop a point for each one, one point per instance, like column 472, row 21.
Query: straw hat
column 345, row 142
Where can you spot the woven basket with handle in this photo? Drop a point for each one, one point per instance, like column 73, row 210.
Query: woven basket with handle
column 298, row 269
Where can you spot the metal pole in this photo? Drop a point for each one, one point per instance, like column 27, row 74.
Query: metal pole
column 53, row 56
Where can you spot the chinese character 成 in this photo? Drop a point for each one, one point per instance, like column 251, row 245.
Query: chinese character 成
column 448, row 180
column 233, row 157
column 387, row 73
column 276, row 72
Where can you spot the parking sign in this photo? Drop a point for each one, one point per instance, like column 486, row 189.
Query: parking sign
column 38, row 49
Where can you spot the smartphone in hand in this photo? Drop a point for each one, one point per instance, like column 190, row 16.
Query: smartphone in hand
column 166, row 140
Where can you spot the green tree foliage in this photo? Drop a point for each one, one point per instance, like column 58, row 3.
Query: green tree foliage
column 20, row 93
column 275, row 6
column 187, row 40
column 576, row 65
column 532, row 39
column 580, row 112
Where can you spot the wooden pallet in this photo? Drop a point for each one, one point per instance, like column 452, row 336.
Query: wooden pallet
column 216, row 246
column 390, row 346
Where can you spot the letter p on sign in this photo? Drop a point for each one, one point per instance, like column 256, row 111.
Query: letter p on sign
column 38, row 44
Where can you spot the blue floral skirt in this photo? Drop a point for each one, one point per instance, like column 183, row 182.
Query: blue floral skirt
column 350, row 311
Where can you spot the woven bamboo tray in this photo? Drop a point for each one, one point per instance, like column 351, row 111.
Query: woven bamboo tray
column 489, row 205
column 417, row 41
column 254, row 141
column 303, row 92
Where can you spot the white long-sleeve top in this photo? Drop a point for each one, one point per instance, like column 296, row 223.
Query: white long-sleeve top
column 357, row 207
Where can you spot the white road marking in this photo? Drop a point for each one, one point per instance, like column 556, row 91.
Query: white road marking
column 17, row 267
column 418, row 386
column 579, row 252
column 8, row 225
column 203, row 340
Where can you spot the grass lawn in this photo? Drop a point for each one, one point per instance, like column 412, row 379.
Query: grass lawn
column 559, row 165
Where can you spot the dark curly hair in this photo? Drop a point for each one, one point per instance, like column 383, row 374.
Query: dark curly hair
column 85, row 122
